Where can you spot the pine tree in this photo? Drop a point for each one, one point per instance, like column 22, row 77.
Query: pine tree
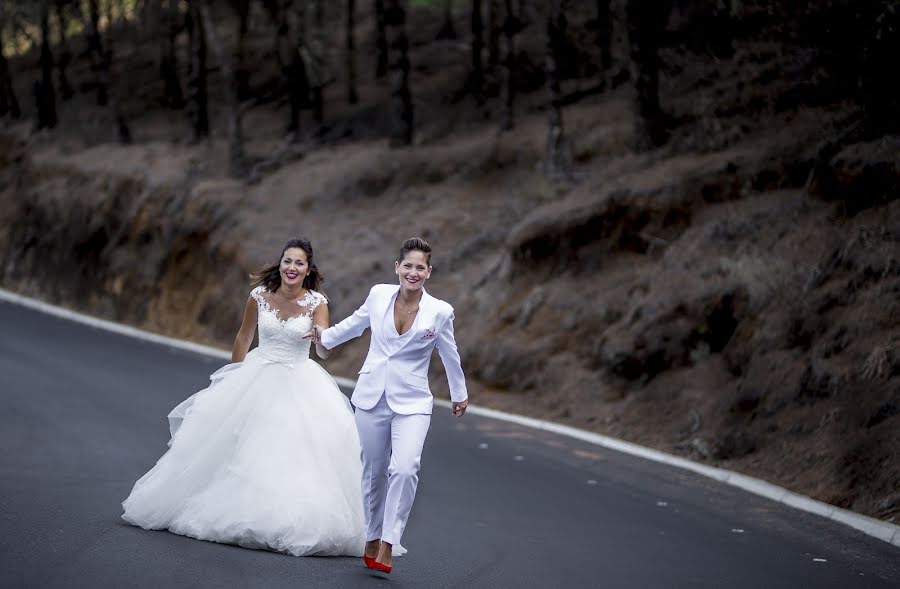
column 477, row 74
column 65, row 54
column 9, row 103
column 511, row 26
column 381, row 48
column 398, row 67
column 557, row 161
column 350, row 55
column 198, row 107
column 646, row 20
column 168, row 62
column 237, row 166
column 45, row 94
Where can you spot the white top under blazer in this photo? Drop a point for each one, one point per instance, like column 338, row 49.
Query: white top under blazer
column 396, row 368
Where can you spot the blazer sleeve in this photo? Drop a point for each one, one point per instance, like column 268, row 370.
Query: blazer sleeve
column 446, row 345
column 351, row 327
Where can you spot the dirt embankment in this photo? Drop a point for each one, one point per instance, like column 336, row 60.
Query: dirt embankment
column 95, row 231
column 709, row 299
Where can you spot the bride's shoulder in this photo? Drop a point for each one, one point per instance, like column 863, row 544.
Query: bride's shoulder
column 257, row 292
column 318, row 297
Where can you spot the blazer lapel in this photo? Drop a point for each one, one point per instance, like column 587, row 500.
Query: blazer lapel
column 386, row 315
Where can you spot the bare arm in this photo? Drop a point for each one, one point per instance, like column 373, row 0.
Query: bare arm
column 320, row 324
column 244, row 336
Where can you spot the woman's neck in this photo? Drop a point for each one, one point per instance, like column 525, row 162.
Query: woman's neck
column 291, row 292
column 410, row 297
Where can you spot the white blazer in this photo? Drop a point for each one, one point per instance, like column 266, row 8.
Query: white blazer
column 400, row 372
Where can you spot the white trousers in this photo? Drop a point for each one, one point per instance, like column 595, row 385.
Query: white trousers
column 391, row 456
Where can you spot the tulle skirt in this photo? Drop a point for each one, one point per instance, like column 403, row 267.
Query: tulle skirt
column 266, row 457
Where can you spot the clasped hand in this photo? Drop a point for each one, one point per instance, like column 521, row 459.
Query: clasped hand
column 315, row 334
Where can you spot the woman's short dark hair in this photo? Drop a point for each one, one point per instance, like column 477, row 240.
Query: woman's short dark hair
column 415, row 244
column 270, row 276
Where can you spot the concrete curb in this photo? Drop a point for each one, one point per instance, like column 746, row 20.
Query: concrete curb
column 873, row 527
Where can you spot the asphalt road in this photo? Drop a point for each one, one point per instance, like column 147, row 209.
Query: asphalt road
column 83, row 415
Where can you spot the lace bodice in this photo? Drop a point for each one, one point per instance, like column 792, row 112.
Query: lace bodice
column 282, row 324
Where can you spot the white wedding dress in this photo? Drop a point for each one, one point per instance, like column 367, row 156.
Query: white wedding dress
column 266, row 457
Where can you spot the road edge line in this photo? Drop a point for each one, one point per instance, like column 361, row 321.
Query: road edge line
column 870, row 526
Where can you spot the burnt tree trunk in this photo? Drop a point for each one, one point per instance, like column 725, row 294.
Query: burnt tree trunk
column 101, row 63
column 477, row 75
column 447, row 30
column 95, row 47
column 604, row 33
column 316, row 53
column 168, row 63
column 65, row 54
column 350, row 57
column 110, row 18
column 198, row 107
column 398, row 67
column 237, row 164
column 9, row 103
column 241, row 72
column 557, row 161
column 646, row 21
column 381, row 48
column 320, row 12
column 298, row 80
column 45, row 94
column 279, row 11
column 149, row 18
column 508, row 68
column 494, row 31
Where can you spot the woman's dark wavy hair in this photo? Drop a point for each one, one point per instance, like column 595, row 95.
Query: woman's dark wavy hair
column 415, row 244
column 270, row 276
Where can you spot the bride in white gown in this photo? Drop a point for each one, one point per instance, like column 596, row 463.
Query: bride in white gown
column 268, row 455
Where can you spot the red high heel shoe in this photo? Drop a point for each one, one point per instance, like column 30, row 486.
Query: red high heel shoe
column 381, row 567
column 370, row 561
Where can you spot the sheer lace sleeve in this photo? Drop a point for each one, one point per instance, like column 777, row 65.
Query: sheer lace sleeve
column 257, row 293
column 317, row 299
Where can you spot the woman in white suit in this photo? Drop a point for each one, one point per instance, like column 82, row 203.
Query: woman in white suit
column 392, row 397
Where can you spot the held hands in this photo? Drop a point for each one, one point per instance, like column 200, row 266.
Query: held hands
column 459, row 409
column 315, row 334
column 315, row 337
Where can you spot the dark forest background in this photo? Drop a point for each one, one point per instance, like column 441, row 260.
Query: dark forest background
column 847, row 52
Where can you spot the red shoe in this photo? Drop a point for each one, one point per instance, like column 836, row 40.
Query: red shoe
column 370, row 562
column 381, row 567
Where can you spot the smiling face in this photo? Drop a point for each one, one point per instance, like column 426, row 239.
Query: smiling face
column 413, row 270
column 294, row 266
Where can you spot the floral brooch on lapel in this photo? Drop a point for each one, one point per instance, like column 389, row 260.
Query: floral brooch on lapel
column 429, row 334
